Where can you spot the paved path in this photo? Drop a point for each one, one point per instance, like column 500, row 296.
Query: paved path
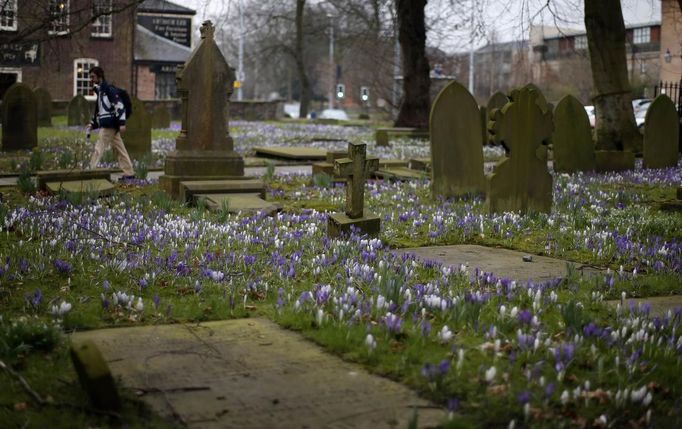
column 249, row 373
column 501, row 262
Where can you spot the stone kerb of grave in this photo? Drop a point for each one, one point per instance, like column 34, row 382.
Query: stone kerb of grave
column 79, row 111
column 355, row 169
column 161, row 117
column 521, row 182
column 456, row 146
column 44, row 106
column 94, row 375
column 19, row 118
column 138, row 135
column 204, row 148
column 572, row 138
column 661, row 134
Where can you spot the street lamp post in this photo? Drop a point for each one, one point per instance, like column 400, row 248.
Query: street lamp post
column 331, row 62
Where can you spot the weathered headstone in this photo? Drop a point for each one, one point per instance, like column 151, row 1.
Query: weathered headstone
column 19, row 118
column 79, row 111
column 95, row 376
column 495, row 103
column 138, row 135
column 356, row 168
column 613, row 160
column 161, row 117
column 572, row 138
column 204, row 148
column 521, row 182
column 661, row 134
column 44, row 106
column 456, row 147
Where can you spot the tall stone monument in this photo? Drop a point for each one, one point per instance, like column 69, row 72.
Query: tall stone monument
column 204, row 149
column 44, row 100
column 355, row 169
column 661, row 134
column 572, row 138
column 456, row 146
column 19, row 118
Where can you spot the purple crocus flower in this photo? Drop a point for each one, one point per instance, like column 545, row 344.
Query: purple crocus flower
column 156, row 300
column 523, row 397
column 524, row 317
column 62, row 267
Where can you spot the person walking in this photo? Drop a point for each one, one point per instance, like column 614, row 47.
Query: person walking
column 110, row 119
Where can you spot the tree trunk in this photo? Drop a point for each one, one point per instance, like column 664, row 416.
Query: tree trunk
column 303, row 77
column 616, row 128
column 414, row 108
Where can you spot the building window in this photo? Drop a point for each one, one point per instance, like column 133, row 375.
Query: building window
column 164, row 86
column 580, row 42
column 81, row 77
column 8, row 15
column 101, row 9
column 641, row 35
column 59, row 16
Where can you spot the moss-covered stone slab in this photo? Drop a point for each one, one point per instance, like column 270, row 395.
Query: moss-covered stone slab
column 572, row 138
column 661, row 134
column 19, row 118
column 43, row 177
column 333, row 155
column 79, row 111
column 339, row 225
column 400, row 173
column 239, row 203
column 190, row 188
column 382, row 136
column 420, row 164
column 456, row 145
column 161, row 117
column 613, row 160
column 521, row 182
column 249, row 373
column 138, row 135
column 44, row 107
column 392, row 163
column 94, row 375
column 93, row 187
column 297, row 153
column 323, row 168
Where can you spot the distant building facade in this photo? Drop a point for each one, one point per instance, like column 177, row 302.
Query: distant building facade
column 670, row 55
column 138, row 47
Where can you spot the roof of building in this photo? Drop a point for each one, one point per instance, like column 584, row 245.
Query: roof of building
column 514, row 45
column 152, row 47
column 163, row 6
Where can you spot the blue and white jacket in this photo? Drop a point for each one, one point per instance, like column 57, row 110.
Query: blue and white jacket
column 110, row 112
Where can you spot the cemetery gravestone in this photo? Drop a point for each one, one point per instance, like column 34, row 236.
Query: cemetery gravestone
column 356, row 168
column 138, row 134
column 44, row 106
column 94, row 375
column 204, row 148
column 161, row 117
column 456, row 147
column 572, row 138
column 19, row 119
column 495, row 103
column 521, row 182
column 79, row 111
column 661, row 134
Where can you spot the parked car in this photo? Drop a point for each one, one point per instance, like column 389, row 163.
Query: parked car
column 291, row 110
column 639, row 103
column 339, row 114
column 591, row 115
column 641, row 115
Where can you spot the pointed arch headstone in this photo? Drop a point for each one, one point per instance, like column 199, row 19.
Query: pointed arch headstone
column 138, row 135
column 44, row 106
column 19, row 118
column 572, row 138
column 79, row 111
column 661, row 134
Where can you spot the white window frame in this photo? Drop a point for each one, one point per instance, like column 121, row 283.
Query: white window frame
column 641, row 35
column 105, row 20
column 580, row 42
column 11, row 70
column 81, row 61
column 58, row 20
column 13, row 8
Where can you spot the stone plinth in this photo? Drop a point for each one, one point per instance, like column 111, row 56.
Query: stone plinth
column 613, row 160
column 188, row 190
column 44, row 177
column 94, row 375
column 339, row 224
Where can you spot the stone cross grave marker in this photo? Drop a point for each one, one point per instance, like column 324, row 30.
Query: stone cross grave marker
column 138, row 135
column 78, row 111
column 661, row 134
column 355, row 169
column 456, row 146
column 572, row 138
column 19, row 118
column 521, row 182
column 44, row 100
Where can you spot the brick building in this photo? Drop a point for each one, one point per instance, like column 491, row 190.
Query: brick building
column 54, row 43
column 671, row 41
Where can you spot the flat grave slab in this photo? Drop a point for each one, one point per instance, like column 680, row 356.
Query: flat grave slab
column 400, row 173
column 190, row 188
column 244, row 203
column 298, row 153
column 43, row 177
column 659, row 304
column 95, row 187
column 500, row 262
column 420, row 164
column 249, row 373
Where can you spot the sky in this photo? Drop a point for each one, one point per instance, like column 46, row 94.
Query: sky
column 508, row 18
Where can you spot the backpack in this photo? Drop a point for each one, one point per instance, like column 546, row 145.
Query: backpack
column 125, row 99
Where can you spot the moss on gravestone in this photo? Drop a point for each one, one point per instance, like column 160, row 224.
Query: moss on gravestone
column 661, row 134
column 94, row 376
column 572, row 138
column 19, row 118
column 44, row 106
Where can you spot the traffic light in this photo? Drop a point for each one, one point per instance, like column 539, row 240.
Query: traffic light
column 340, row 90
column 364, row 94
